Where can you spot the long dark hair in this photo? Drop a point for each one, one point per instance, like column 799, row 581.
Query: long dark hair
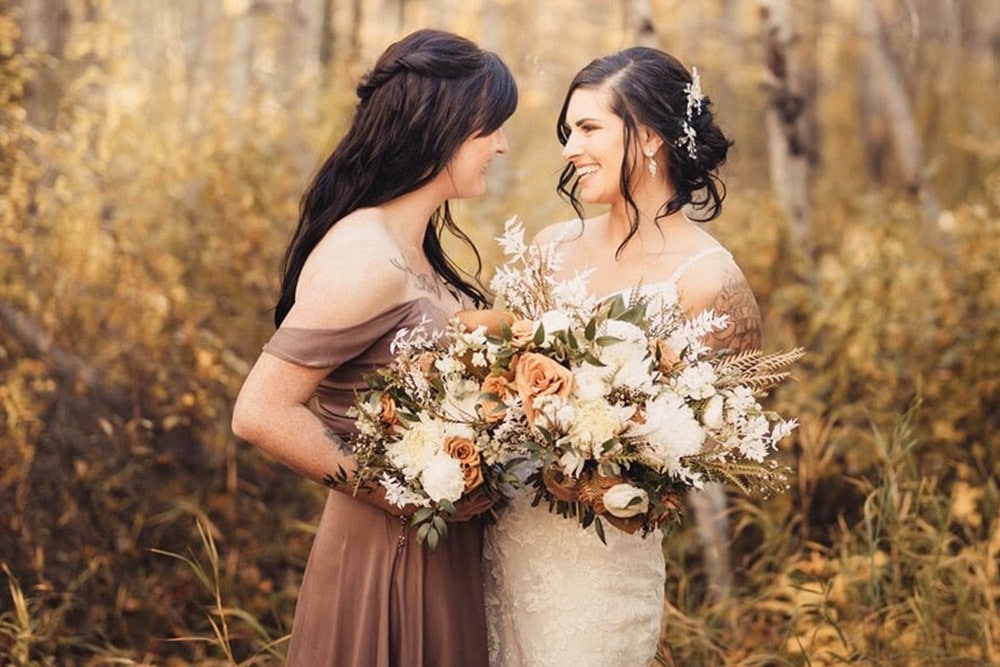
column 425, row 96
column 649, row 87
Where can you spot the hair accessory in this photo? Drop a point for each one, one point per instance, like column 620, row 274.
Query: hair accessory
column 652, row 163
column 689, row 138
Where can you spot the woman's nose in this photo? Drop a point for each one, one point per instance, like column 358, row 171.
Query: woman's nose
column 501, row 145
column 572, row 147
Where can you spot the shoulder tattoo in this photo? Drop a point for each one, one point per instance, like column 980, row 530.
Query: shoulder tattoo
column 422, row 281
column 735, row 299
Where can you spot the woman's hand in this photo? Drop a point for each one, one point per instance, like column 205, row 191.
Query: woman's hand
column 476, row 503
column 491, row 319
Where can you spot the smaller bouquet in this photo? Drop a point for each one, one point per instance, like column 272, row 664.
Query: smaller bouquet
column 432, row 427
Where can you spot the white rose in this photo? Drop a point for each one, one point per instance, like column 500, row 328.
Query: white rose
column 712, row 415
column 625, row 500
column 442, row 478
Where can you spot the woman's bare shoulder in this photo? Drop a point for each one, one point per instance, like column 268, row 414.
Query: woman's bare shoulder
column 351, row 276
column 560, row 232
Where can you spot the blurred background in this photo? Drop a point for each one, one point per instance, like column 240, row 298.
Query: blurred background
column 151, row 159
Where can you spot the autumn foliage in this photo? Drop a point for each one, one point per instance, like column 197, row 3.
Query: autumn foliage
column 139, row 253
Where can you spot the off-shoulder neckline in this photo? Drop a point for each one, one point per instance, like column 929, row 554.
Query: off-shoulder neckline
column 392, row 310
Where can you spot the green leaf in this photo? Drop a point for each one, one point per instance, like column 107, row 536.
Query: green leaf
column 539, row 335
column 432, row 539
column 422, row 515
column 599, row 527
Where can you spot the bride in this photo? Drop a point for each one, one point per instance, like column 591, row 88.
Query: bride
column 638, row 136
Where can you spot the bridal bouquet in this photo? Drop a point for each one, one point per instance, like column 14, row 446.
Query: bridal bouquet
column 624, row 406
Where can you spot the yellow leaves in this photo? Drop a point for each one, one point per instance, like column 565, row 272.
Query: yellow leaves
column 965, row 501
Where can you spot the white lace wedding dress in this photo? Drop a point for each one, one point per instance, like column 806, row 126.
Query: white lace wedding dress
column 556, row 596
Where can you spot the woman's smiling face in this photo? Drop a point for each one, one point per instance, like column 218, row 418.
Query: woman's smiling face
column 595, row 146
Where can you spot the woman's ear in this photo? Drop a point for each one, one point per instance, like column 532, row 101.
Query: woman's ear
column 650, row 142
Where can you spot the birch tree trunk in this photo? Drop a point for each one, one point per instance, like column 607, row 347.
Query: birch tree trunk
column 885, row 87
column 791, row 148
column 643, row 27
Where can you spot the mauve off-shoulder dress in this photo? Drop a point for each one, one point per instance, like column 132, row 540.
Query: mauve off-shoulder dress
column 368, row 597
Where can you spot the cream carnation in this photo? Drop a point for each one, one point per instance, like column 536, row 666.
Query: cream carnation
column 597, row 422
column 419, row 444
column 697, row 381
column 671, row 431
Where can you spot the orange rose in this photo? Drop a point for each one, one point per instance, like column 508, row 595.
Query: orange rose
column 536, row 375
column 463, row 451
column 389, row 416
column 491, row 319
column 494, row 409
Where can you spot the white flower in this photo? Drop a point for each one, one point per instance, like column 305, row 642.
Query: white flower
column 512, row 240
column 553, row 321
column 782, row 429
column 628, row 360
column 626, row 331
column 572, row 462
column 414, row 450
column 740, row 401
column 697, row 381
column 592, row 382
column 597, row 422
column 671, row 431
column 712, row 415
column 448, row 365
column 553, row 412
column 400, row 496
column 573, row 294
column 442, row 478
column 625, row 500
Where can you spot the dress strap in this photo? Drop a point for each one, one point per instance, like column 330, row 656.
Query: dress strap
column 690, row 261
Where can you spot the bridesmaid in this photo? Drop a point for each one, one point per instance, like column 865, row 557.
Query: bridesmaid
column 365, row 261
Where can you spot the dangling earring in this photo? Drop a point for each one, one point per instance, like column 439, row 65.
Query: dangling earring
column 652, row 163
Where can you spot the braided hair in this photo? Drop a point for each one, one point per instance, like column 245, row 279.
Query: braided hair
column 426, row 95
column 649, row 87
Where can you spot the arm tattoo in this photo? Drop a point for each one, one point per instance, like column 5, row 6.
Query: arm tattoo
column 736, row 300
column 422, row 281
column 340, row 478
column 342, row 444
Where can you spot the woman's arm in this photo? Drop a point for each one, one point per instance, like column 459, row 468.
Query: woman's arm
column 721, row 287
